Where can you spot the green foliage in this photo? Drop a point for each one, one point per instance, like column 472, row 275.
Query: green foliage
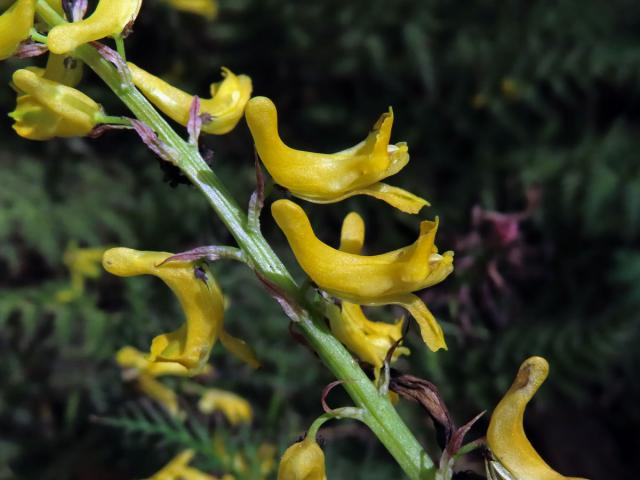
column 144, row 419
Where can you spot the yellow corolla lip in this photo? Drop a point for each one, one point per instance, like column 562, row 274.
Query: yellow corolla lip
column 15, row 26
column 46, row 109
column 235, row 408
column 110, row 18
column 506, row 437
column 331, row 177
column 225, row 107
column 383, row 279
column 302, row 461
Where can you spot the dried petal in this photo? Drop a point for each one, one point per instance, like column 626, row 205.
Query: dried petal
column 427, row 395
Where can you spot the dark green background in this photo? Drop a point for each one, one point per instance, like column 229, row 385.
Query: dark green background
column 495, row 98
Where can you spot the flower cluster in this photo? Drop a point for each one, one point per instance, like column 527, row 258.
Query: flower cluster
column 385, row 279
column 325, row 178
column 49, row 105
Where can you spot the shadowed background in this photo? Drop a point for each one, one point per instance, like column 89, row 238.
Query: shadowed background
column 522, row 120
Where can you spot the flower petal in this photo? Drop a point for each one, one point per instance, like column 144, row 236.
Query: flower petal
column 430, row 330
column 224, row 109
column 399, row 198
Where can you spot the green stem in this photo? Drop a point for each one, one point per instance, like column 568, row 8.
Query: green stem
column 120, row 46
column 112, row 120
column 38, row 37
column 312, row 432
column 379, row 413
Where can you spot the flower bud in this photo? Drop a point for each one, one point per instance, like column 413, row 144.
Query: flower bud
column 46, row 109
column 15, row 26
column 110, row 18
column 302, row 461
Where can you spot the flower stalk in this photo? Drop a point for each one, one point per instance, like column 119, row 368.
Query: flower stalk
column 378, row 412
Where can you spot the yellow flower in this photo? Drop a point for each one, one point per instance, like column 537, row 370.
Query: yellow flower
column 505, row 436
column 328, row 178
column 370, row 280
column 46, row 109
column 370, row 341
column 144, row 372
column 302, row 461
column 235, row 408
column 225, row 107
column 187, row 349
column 15, row 26
column 205, row 8
column 110, row 18
column 178, row 469
column 82, row 263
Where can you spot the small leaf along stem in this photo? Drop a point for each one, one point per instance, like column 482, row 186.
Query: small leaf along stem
column 377, row 411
